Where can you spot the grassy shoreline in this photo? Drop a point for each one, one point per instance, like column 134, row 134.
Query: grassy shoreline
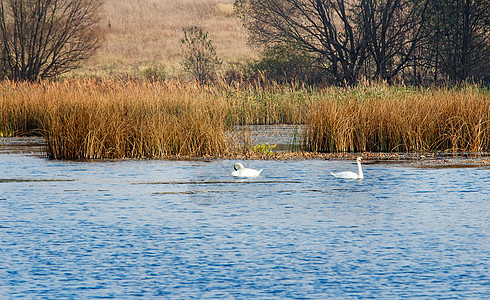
column 35, row 146
column 105, row 119
column 394, row 119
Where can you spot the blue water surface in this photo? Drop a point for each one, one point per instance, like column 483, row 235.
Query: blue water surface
column 189, row 230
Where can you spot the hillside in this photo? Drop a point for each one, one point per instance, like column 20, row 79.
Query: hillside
column 142, row 33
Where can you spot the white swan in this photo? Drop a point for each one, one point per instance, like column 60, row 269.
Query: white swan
column 351, row 175
column 240, row 171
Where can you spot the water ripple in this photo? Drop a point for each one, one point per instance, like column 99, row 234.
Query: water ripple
column 170, row 229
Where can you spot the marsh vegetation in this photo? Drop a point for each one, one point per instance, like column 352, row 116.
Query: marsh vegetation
column 83, row 119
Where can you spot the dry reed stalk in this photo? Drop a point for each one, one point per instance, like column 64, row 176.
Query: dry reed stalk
column 90, row 119
column 278, row 105
column 20, row 109
column 401, row 121
column 83, row 119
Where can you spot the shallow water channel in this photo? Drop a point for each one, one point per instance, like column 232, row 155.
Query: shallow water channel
column 188, row 229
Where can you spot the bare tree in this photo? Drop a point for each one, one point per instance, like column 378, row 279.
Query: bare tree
column 465, row 35
column 418, row 40
column 45, row 38
column 394, row 30
column 327, row 29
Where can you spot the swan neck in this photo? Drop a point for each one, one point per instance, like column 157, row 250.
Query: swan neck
column 359, row 169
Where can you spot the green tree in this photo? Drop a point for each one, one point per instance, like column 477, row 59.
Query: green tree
column 287, row 64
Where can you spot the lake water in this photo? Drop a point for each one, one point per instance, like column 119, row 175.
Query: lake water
column 187, row 229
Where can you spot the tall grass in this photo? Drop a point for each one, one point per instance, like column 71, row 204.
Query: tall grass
column 256, row 105
column 21, row 108
column 90, row 119
column 390, row 119
column 85, row 119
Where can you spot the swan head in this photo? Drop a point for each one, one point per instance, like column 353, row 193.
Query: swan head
column 237, row 166
column 359, row 159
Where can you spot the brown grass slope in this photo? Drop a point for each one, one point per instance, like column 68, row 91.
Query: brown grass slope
column 143, row 33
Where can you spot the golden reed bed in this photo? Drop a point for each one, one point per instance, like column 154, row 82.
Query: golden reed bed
column 93, row 119
column 384, row 119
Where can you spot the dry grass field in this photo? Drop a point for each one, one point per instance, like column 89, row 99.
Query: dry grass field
column 143, row 33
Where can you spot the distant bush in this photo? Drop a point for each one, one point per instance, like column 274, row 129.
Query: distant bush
column 155, row 73
column 200, row 59
column 236, row 72
column 286, row 64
